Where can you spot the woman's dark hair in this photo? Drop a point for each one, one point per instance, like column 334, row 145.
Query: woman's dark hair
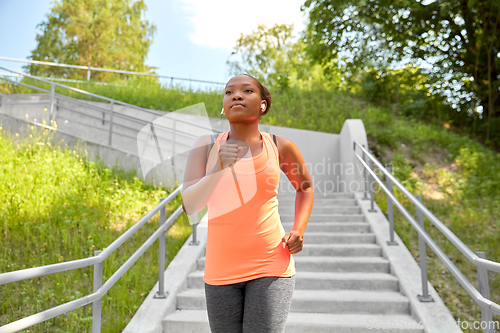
column 264, row 94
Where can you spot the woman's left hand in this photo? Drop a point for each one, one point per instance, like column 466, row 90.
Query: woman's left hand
column 294, row 242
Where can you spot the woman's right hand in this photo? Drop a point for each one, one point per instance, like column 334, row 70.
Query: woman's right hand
column 229, row 154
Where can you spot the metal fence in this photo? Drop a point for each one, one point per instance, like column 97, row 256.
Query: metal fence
column 89, row 70
column 481, row 297
column 115, row 124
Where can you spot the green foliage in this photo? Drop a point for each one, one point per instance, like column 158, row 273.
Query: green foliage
column 274, row 57
column 405, row 90
column 56, row 206
column 97, row 33
column 456, row 38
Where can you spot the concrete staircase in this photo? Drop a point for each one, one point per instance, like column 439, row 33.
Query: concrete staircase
column 343, row 284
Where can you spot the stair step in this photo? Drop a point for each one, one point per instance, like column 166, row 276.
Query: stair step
column 325, row 281
column 318, row 195
column 196, row 321
column 338, row 250
column 322, row 301
column 361, row 227
column 321, row 202
column 341, row 264
column 331, row 264
column 341, row 250
column 326, row 218
column 299, row 322
column 322, row 210
column 338, row 238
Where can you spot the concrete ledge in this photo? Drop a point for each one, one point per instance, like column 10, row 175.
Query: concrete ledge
column 435, row 316
column 149, row 316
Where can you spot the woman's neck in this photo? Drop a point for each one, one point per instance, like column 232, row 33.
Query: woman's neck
column 247, row 135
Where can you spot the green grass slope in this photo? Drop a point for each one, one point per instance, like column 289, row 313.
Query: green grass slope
column 56, row 206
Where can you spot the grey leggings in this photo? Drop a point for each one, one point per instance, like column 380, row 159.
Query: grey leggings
column 259, row 305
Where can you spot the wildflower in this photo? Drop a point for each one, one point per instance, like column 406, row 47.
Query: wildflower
column 26, row 116
column 17, row 134
column 45, row 109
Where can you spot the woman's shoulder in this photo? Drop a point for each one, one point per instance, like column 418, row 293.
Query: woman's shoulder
column 283, row 145
column 282, row 142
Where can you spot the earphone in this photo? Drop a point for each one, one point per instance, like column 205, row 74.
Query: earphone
column 263, row 107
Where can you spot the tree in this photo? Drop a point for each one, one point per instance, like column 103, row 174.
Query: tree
column 97, row 33
column 277, row 60
column 460, row 38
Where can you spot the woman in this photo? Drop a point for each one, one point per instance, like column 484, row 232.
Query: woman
column 249, row 271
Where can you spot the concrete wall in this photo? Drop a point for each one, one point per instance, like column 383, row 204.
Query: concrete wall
column 329, row 157
column 351, row 172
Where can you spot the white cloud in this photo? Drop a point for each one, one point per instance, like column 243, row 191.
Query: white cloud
column 219, row 23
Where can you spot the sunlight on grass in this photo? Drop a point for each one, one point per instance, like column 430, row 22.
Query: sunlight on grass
column 55, row 206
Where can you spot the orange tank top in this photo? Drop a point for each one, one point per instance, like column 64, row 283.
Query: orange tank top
column 244, row 227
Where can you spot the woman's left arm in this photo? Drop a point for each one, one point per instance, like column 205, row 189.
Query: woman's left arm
column 293, row 165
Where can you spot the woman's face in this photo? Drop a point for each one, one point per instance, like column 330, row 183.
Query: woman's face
column 242, row 100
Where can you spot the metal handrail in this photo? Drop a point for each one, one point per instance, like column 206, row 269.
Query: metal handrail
column 478, row 298
column 97, row 261
column 98, row 69
column 80, row 91
column 76, row 101
column 31, row 273
column 469, row 254
column 105, row 111
column 53, row 96
column 52, row 78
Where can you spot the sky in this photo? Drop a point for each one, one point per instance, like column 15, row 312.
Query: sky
column 194, row 38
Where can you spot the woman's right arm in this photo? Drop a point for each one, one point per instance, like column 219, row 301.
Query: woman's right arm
column 197, row 185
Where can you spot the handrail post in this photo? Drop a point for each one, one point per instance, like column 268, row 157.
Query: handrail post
column 96, row 305
column 484, row 289
column 51, row 109
column 161, row 262
column 195, row 226
column 390, row 211
column 425, row 297
column 365, row 179
column 173, row 142
column 370, row 185
column 88, row 73
column 111, row 122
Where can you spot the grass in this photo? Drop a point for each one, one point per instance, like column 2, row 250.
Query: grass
column 56, row 206
column 458, row 177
